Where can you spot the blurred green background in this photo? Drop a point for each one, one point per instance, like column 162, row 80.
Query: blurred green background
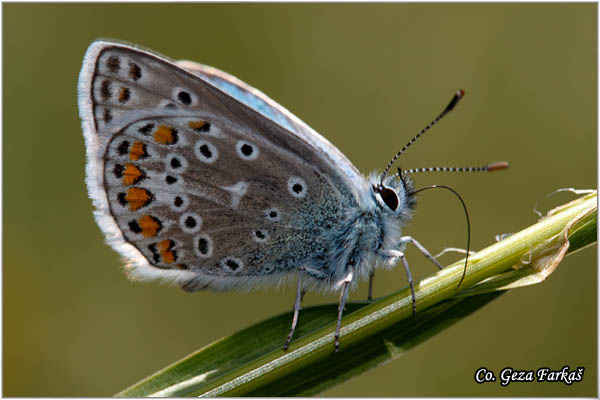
column 367, row 77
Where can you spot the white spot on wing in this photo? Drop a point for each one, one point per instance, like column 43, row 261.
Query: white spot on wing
column 297, row 187
column 206, row 151
column 272, row 214
column 203, row 246
column 190, row 94
column 237, row 191
column 260, row 235
column 190, row 222
column 176, row 163
column 177, row 202
column 232, row 264
column 243, row 146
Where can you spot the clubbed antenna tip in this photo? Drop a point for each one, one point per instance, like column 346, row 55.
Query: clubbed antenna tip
column 497, row 166
column 459, row 95
column 455, row 99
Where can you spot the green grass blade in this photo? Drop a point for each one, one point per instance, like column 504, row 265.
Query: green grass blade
column 252, row 362
column 378, row 349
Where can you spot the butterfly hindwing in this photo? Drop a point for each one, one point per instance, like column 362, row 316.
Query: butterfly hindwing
column 194, row 186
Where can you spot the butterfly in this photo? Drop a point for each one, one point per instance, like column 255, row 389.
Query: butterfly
column 201, row 180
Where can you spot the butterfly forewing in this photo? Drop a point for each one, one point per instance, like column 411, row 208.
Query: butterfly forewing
column 264, row 105
column 208, row 191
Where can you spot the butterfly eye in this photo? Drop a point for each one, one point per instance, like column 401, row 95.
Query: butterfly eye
column 389, row 197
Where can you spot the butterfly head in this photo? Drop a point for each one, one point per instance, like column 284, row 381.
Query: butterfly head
column 394, row 195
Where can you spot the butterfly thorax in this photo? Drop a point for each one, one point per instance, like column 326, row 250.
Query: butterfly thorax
column 358, row 241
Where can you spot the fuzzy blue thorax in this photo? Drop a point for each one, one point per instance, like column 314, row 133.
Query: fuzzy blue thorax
column 356, row 241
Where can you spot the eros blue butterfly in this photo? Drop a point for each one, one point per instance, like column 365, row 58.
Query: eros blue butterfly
column 201, row 180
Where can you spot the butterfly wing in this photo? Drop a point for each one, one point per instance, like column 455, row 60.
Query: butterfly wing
column 246, row 94
column 264, row 105
column 197, row 186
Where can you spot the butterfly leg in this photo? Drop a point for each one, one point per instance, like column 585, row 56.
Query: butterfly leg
column 395, row 254
column 419, row 246
column 410, row 282
column 454, row 250
column 299, row 296
column 398, row 254
column 371, row 277
column 343, row 297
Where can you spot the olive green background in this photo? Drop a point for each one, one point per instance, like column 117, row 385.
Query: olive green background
column 367, row 77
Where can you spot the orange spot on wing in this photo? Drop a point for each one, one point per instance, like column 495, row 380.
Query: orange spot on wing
column 165, row 245
column 150, row 225
column 124, row 95
column 138, row 150
column 132, row 175
column 167, row 254
column 137, row 198
column 164, row 135
column 197, row 125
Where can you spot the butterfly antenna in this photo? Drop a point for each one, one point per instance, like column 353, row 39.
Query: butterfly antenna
column 459, row 95
column 466, row 215
column 495, row 166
